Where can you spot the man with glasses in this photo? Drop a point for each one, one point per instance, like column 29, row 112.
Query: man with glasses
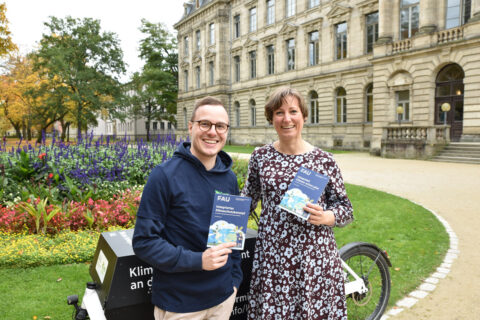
column 190, row 281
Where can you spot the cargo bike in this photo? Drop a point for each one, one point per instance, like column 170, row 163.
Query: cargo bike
column 121, row 286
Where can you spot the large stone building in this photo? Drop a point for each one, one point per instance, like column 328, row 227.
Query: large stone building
column 374, row 73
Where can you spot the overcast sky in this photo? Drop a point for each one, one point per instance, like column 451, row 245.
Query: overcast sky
column 26, row 18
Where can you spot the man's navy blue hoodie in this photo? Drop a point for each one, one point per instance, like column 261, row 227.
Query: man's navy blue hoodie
column 172, row 229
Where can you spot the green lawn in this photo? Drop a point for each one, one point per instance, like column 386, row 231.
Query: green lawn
column 412, row 236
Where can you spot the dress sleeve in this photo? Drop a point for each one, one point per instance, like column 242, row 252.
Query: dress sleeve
column 336, row 197
column 252, row 187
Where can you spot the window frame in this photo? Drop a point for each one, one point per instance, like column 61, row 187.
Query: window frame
column 236, row 66
column 290, row 54
column 313, row 48
column 340, row 109
column 211, row 70
column 270, row 59
column 211, row 31
column 270, row 18
column 369, row 103
column 236, row 26
column 410, row 8
column 368, row 25
column 313, row 106
column 290, row 8
column 198, row 38
column 405, row 116
column 252, row 14
column 253, row 63
column 253, row 113
column 341, row 41
column 197, row 77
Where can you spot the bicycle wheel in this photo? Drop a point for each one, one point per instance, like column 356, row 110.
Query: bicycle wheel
column 369, row 263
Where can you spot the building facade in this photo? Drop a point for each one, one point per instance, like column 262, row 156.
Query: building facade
column 374, row 73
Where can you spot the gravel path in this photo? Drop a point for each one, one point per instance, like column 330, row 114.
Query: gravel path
column 452, row 190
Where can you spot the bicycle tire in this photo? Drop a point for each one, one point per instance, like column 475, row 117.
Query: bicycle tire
column 370, row 264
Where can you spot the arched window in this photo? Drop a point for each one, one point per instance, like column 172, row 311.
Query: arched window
column 341, row 105
column 253, row 113
column 313, row 102
column 369, row 103
column 237, row 113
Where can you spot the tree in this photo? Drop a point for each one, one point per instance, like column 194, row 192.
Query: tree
column 154, row 90
column 6, row 43
column 86, row 62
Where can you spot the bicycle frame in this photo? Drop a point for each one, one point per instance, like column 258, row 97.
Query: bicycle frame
column 354, row 286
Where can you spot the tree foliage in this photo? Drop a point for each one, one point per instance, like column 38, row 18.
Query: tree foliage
column 84, row 63
column 154, row 91
column 6, row 43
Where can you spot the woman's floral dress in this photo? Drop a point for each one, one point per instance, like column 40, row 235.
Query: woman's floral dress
column 297, row 273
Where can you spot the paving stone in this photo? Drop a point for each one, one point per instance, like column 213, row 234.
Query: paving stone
column 407, row 302
column 394, row 311
column 432, row 280
column 419, row 294
column 443, row 270
column 427, row 287
column 439, row 275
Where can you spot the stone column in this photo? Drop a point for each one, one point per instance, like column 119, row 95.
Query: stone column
column 475, row 16
column 385, row 12
column 428, row 16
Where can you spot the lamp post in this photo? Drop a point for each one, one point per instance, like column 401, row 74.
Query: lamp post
column 399, row 113
column 445, row 108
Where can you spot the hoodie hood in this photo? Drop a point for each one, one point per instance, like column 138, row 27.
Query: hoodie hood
column 223, row 162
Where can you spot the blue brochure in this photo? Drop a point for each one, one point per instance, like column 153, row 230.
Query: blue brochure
column 229, row 220
column 307, row 186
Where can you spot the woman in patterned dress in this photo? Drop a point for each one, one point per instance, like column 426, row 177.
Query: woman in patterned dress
column 297, row 272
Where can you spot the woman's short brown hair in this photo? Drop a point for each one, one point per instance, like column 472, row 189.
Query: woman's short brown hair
column 208, row 100
column 278, row 97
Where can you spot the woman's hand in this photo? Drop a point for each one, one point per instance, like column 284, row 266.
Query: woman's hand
column 318, row 216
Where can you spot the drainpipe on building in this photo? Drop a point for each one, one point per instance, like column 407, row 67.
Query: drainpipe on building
column 229, row 41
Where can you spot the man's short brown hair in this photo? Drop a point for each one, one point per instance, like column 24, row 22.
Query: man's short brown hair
column 208, row 100
column 278, row 97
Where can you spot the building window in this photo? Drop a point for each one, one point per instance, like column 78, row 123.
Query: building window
column 290, row 7
column 341, row 106
column 185, row 46
column 403, row 100
column 170, row 126
column 185, row 119
column 253, row 64
column 253, row 19
column 236, row 26
column 313, row 3
column 371, row 21
column 313, row 101
column 270, row 12
column 162, row 125
column 270, row 59
column 369, row 103
column 199, row 39
column 458, row 13
column 341, row 40
column 236, row 65
column 147, row 126
column 211, row 31
column 409, row 18
column 155, row 125
column 185, row 79
column 313, row 48
column 197, row 77
column 237, row 113
column 290, row 54
column 253, row 113
column 211, row 73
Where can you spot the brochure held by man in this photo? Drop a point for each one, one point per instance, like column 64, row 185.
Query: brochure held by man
column 307, row 186
column 229, row 220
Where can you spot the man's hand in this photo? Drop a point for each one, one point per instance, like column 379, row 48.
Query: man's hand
column 216, row 257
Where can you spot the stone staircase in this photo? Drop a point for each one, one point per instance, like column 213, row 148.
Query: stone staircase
column 465, row 152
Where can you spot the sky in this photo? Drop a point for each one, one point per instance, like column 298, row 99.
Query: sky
column 26, row 20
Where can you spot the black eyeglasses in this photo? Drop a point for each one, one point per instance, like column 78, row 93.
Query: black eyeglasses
column 205, row 125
